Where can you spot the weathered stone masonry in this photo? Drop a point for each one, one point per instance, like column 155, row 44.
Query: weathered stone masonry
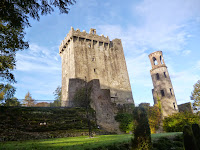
column 95, row 57
column 163, row 89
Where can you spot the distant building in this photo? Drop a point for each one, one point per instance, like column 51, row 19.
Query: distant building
column 186, row 107
column 163, row 90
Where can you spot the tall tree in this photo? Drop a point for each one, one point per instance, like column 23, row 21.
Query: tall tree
column 57, row 93
column 28, row 100
column 7, row 91
column 195, row 96
column 14, row 17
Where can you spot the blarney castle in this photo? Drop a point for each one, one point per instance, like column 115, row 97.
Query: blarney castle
column 95, row 62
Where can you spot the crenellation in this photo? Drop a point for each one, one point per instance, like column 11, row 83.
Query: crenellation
column 91, row 36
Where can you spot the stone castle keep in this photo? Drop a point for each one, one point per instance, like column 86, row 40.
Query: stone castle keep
column 163, row 90
column 90, row 61
column 90, row 56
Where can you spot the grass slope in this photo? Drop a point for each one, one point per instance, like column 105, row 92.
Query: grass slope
column 74, row 143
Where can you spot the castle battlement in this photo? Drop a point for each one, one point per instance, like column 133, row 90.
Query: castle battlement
column 91, row 36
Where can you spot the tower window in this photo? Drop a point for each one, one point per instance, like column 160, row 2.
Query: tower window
column 157, row 76
column 174, row 105
column 162, row 92
column 160, row 59
column 94, row 70
column 155, row 61
column 165, row 75
column 171, row 91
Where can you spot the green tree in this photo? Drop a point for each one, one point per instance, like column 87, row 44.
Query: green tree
column 126, row 122
column 14, row 17
column 142, row 133
column 176, row 122
column 7, row 91
column 28, row 100
column 196, row 96
column 57, row 93
column 12, row 102
column 154, row 116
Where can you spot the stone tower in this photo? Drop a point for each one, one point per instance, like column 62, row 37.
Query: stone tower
column 94, row 57
column 162, row 84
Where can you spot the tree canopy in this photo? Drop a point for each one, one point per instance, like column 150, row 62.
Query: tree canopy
column 28, row 100
column 7, row 91
column 14, row 17
column 57, row 93
column 195, row 95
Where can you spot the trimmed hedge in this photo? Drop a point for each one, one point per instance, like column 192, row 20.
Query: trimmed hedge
column 33, row 122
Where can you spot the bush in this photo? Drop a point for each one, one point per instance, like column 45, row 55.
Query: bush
column 154, row 115
column 189, row 140
column 196, row 133
column 166, row 143
column 126, row 121
column 176, row 122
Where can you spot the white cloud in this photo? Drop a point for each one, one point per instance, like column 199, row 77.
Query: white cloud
column 186, row 52
column 38, row 59
column 38, row 70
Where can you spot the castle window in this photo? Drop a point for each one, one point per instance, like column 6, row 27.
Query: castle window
column 155, row 61
column 94, row 42
column 170, row 90
column 165, row 75
column 157, row 76
column 94, row 70
column 106, row 45
column 100, row 43
column 174, row 105
column 162, row 92
column 160, row 59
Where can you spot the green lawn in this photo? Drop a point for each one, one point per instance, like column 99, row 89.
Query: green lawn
column 73, row 143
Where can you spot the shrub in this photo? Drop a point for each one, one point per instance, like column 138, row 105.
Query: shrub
column 142, row 134
column 126, row 121
column 164, row 143
column 176, row 122
column 154, row 115
column 189, row 140
column 196, row 133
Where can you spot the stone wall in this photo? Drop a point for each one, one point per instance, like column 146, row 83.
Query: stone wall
column 186, row 107
column 100, row 102
column 90, row 56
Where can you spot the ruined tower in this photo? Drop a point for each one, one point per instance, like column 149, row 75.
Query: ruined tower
column 163, row 90
column 94, row 57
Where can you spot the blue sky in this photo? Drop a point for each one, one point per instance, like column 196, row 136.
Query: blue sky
column 144, row 26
